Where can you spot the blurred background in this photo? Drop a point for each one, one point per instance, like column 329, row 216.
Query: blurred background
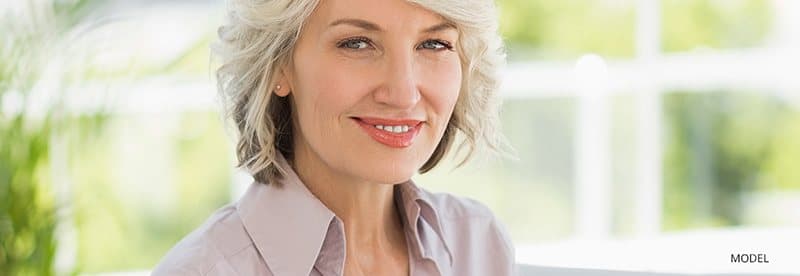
column 651, row 135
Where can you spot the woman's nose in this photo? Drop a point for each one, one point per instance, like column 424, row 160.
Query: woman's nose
column 400, row 86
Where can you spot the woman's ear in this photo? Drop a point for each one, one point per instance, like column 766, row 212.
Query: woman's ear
column 283, row 86
column 281, row 89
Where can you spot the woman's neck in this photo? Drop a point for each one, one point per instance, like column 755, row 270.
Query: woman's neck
column 375, row 242
column 367, row 210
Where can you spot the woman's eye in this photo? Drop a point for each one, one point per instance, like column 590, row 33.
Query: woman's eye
column 435, row 45
column 354, row 44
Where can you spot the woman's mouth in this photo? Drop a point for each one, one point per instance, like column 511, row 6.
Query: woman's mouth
column 395, row 133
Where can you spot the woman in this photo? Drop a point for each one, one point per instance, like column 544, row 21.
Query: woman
column 338, row 103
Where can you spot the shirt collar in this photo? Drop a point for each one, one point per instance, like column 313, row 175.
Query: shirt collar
column 288, row 224
column 427, row 233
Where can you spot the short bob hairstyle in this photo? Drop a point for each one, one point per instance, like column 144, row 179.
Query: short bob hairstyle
column 259, row 37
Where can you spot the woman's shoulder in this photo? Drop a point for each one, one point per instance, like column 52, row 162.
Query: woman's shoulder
column 469, row 226
column 450, row 206
column 459, row 212
column 205, row 250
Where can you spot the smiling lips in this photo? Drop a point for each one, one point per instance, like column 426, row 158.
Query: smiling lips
column 393, row 133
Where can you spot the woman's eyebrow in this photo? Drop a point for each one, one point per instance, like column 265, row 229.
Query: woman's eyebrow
column 357, row 23
column 369, row 26
column 439, row 27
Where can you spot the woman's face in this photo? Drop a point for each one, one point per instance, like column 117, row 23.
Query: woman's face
column 373, row 84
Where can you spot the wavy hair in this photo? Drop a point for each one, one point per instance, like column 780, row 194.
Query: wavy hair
column 258, row 39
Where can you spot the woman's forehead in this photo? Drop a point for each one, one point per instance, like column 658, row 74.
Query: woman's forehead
column 381, row 14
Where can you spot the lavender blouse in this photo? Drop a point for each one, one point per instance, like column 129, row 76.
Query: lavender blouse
column 285, row 230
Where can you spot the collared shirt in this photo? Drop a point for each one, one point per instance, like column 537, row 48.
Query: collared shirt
column 285, row 230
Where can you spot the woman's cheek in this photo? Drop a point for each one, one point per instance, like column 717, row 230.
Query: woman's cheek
column 445, row 77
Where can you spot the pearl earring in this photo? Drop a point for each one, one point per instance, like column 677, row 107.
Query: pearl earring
column 278, row 87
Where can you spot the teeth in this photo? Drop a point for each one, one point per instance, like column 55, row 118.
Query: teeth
column 393, row 129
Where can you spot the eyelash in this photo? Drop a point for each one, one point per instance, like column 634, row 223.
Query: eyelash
column 343, row 44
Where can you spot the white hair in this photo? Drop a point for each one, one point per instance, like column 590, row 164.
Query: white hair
column 259, row 37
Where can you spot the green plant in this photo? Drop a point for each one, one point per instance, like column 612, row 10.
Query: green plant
column 31, row 34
